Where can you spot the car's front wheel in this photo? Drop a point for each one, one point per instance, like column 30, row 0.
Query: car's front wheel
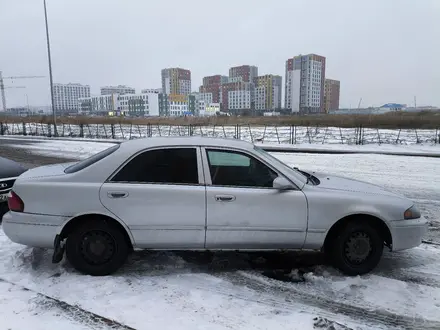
column 357, row 248
column 97, row 247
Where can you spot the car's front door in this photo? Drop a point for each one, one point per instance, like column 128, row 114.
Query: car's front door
column 160, row 195
column 244, row 210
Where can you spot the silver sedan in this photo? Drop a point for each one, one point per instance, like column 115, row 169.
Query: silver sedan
column 198, row 193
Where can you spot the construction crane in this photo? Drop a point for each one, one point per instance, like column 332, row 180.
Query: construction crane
column 2, row 85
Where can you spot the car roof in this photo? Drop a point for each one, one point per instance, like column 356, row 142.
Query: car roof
column 186, row 141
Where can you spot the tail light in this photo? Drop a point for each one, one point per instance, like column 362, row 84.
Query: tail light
column 15, row 203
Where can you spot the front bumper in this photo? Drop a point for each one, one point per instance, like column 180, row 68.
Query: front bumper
column 408, row 233
column 32, row 229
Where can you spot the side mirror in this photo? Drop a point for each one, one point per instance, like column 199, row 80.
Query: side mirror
column 282, row 183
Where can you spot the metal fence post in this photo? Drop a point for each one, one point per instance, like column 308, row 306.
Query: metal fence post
column 112, row 128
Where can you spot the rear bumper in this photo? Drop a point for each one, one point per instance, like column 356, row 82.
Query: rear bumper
column 408, row 233
column 32, row 229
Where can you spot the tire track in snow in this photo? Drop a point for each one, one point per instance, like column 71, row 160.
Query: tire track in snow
column 76, row 313
column 289, row 296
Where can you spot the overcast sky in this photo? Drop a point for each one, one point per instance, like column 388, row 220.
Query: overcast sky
column 381, row 50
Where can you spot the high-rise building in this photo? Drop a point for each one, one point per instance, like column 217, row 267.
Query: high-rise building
column 245, row 73
column 176, row 81
column 120, row 89
column 66, row 97
column 212, row 85
column 304, row 87
column 268, row 89
column 331, row 94
column 237, row 95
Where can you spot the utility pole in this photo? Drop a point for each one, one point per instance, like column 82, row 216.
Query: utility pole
column 2, row 90
column 50, row 71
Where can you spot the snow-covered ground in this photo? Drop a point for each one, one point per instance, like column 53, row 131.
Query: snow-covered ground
column 163, row 290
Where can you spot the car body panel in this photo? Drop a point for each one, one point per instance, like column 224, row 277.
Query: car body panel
column 246, row 219
column 161, row 216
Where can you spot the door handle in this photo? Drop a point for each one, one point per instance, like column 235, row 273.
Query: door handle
column 117, row 194
column 224, row 198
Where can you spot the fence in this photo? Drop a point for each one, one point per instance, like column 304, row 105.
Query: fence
column 263, row 134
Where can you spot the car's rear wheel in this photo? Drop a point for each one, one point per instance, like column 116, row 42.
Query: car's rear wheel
column 357, row 248
column 97, row 247
column 3, row 210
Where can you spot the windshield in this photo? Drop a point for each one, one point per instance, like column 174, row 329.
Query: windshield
column 282, row 165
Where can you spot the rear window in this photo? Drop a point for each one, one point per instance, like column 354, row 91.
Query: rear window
column 91, row 160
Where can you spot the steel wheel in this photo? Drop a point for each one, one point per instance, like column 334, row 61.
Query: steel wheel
column 97, row 247
column 358, row 248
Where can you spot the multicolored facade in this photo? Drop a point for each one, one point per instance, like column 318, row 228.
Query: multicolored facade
column 304, row 87
column 268, row 89
column 176, row 81
column 332, row 91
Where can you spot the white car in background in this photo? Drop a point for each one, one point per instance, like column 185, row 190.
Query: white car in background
column 197, row 193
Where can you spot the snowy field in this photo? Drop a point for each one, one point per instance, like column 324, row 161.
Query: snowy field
column 164, row 290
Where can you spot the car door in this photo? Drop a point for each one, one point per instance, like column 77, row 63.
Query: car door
column 244, row 211
column 160, row 195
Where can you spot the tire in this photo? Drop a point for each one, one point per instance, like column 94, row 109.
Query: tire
column 97, row 247
column 356, row 249
column 3, row 210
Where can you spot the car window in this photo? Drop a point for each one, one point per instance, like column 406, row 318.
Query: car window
column 168, row 166
column 233, row 168
column 91, row 160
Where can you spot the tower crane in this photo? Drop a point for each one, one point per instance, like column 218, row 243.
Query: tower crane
column 3, row 87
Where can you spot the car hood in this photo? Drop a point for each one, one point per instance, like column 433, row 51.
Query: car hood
column 335, row 182
column 10, row 169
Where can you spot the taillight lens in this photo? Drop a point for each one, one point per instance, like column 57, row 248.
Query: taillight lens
column 15, row 203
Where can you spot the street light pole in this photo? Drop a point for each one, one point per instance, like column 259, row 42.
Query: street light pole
column 50, row 71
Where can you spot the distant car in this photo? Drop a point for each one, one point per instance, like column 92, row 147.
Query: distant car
column 197, row 193
column 9, row 171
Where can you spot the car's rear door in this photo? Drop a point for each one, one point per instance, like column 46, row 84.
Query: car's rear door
column 244, row 210
column 160, row 195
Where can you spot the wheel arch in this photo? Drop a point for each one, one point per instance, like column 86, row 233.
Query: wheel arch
column 378, row 223
column 70, row 224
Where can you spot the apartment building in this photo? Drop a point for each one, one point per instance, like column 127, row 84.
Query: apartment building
column 102, row 104
column 66, row 97
column 237, row 95
column 176, row 81
column 304, row 86
column 268, row 89
column 151, row 90
column 135, row 105
column 212, row 85
column 174, row 105
column 245, row 73
column 331, row 94
column 120, row 89
column 139, row 105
